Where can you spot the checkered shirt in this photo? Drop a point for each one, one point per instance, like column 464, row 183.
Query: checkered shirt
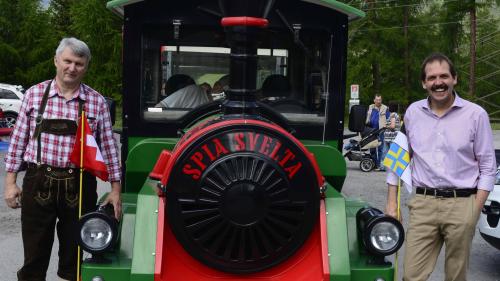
column 55, row 149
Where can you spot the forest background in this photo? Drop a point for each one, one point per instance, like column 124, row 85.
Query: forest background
column 386, row 47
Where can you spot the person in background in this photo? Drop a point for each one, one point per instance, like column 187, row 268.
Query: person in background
column 177, row 82
column 220, row 86
column 43, row 138
column 376, row 118
column 275, row 87
column 393, row 126
column 207, row 89
column 182, row 92
column 453, row 170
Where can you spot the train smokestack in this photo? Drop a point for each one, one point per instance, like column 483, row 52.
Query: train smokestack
column 243, row 21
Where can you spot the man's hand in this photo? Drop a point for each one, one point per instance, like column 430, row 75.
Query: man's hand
column 114, row 198
column 391, row 209
column 481, row 197
column 12, row 192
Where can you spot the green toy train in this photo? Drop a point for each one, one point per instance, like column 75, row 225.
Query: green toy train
column 240, row 181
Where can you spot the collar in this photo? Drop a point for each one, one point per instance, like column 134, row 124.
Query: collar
column 377, row 108
column 54, row 90
column 458, row 102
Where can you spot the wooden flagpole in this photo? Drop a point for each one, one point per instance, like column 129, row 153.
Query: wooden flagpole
column 82, row 138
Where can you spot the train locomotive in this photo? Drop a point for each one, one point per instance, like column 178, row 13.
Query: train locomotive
column 247, row 187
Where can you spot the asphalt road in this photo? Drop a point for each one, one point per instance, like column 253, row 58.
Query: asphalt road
column 484, row 262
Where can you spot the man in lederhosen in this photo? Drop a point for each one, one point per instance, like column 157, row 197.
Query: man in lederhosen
column 42, row 139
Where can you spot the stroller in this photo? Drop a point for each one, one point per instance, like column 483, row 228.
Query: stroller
column 359, row 150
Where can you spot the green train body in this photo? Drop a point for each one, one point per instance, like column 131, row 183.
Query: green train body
column 300, row 144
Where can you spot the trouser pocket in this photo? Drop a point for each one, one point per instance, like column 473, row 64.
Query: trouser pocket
column 71, row 192
column 43, row 189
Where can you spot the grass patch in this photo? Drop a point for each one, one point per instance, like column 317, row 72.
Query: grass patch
column 495, row 125
column 118, row 122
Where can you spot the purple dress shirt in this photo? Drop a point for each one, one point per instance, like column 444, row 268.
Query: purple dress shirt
column 454, row 150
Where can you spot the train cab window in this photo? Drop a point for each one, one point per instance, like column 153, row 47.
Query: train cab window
column 205, row 66
column 287, row 80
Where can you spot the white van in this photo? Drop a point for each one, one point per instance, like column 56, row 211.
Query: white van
column 11, row 97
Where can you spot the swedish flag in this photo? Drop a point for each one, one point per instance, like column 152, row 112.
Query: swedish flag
column 397, row 159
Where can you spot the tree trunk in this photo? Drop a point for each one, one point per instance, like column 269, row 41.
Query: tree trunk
column 374, row 57
column 376, row 78
column 406, row 52
column 472, row 70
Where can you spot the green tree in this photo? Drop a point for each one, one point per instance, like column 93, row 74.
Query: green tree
column 61, row 16
column 387, row 47
column 487, row 80
column 26, row 38
column 101, row 30
column 384, row 45
column 9, row 63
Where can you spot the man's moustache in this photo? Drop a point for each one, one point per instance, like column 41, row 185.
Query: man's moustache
column 439, row 87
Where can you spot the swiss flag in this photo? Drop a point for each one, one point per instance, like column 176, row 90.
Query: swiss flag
column 92, row 157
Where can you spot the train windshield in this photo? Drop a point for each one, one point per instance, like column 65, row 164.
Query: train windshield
column 201, row 74
column 182, row 78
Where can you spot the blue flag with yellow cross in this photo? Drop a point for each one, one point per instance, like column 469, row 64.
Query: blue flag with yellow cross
column 397, row 159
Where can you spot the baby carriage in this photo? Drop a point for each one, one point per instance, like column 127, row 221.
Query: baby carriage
column 358, row 150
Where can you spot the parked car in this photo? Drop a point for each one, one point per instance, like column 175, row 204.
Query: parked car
column 5, row 130
column 489, row 227
column 3, row 123
column 11, row 97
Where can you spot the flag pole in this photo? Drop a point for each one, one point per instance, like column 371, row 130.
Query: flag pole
column 398, row 216
column 82, row 138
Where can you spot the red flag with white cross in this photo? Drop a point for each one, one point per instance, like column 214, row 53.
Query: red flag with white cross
column 93, row 161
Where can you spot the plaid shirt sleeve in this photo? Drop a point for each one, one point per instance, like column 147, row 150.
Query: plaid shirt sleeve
column 109, row 148
column 20, row 135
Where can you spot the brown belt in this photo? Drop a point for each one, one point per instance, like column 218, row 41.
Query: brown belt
column 446, row 192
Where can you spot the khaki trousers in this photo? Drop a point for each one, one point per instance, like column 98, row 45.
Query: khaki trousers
column 434, row 221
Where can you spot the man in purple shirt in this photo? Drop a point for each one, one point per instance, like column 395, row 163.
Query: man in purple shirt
column 453, row 170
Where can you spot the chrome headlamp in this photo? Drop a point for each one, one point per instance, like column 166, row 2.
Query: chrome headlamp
column 98, row 230
column 382, row 235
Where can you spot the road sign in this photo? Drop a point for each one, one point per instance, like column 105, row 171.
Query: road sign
column 354, row 91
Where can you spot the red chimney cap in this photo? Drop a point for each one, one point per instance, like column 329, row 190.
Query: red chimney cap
column 244, row 21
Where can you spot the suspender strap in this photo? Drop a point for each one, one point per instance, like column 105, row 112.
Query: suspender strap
column 41, row 110
column 39, row 120
column 81, row 103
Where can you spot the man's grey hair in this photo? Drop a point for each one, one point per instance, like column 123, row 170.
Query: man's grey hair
column 78, row 47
